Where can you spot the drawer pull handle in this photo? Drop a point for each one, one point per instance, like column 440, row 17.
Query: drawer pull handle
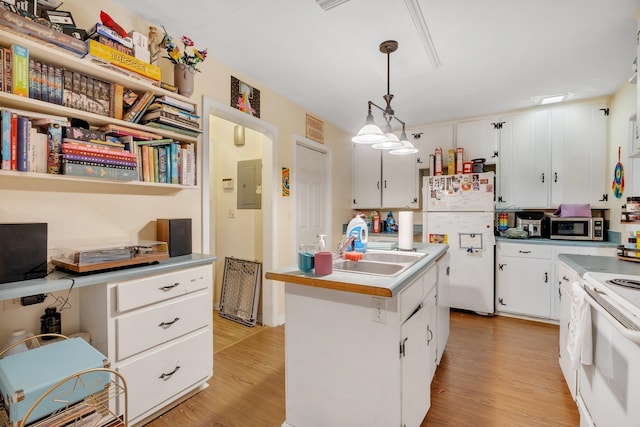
column 167, row 376
column 167, row 324
column 525, row 252
column 169, row 287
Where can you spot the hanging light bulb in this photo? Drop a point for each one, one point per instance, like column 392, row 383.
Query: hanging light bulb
column 406, row 148
column 370, row 133
column 391, row 140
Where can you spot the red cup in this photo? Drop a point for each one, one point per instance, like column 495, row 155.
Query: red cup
column 323, row 263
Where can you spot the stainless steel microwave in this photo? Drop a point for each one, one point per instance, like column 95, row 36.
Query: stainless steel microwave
column 575, row 228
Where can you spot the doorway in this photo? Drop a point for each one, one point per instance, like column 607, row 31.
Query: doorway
column 311, row 190
column 272, row 313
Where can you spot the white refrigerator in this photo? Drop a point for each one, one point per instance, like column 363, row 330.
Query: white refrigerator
column 459, row 210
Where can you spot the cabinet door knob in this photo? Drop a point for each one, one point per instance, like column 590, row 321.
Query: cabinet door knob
column 430, row 335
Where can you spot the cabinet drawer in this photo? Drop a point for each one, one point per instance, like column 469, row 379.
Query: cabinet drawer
column 140, row 292
column 524, row 250
column 410, row 298
column 429, row 279
column 167, row 371
column 146, row 328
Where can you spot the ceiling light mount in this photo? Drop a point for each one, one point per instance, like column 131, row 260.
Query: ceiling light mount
column 371, row 133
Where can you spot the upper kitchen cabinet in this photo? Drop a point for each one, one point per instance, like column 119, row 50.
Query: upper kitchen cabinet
column 523, row 178
column 479, row 138
column 578, row 148
column 552, row 156
column 426, row 140
column 383, row 180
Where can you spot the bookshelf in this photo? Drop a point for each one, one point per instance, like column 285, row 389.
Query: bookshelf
column 97, row 69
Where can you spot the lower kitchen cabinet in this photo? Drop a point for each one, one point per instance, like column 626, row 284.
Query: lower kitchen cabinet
column 357, row 359
column 528, row 278
column 523, row 279
column 157, row 332
column 566, row 277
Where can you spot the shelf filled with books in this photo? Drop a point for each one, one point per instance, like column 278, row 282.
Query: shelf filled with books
column 139, row 133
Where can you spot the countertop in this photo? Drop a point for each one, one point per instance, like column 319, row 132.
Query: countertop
column 368, row 284
column 539, row 241
column 61, row 280
column 602, row 264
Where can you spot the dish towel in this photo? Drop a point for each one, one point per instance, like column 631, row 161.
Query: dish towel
column 579, row 341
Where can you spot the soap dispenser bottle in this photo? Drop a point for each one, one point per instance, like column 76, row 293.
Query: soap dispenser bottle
column 322, row 246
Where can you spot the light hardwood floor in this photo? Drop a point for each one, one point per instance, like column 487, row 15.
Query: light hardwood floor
column 496, row 371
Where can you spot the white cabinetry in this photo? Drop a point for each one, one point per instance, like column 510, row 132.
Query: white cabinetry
column 431, row 138
column 552, row 156
column 566, row 277
column 578, row 147
column 376, row 371
column 382, row 180
column 156, row 331
column 479, row 138
column 523, row 179
column 443, row 303
column 523, row 279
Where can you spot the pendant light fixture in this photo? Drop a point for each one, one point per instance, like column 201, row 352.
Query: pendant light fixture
column 371, row 133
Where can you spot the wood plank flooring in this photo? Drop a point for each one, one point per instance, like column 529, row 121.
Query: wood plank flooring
column 496, row 371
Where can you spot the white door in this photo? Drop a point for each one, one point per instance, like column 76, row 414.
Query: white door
column 311, row 189
column 399, row 181
column 415, row 367
column 366, row 183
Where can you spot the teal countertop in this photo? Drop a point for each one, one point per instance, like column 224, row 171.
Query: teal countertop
column 62, row 280
column 602, row 264
column 539, row 241
column 363, row 283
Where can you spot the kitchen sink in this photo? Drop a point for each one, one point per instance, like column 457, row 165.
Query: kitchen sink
column 379, row 263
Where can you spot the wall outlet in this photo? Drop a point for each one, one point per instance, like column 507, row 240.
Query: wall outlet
column 232, row 212
column 379, row 309
column 11, row 304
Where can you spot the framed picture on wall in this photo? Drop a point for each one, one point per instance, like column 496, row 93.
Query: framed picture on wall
column 245, row 97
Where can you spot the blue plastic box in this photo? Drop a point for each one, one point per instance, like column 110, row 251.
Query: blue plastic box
column 26, row 376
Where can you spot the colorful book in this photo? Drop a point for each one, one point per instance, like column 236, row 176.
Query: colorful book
column 162, row 164
column 119, row 130
column 159, row 106
column 6, row 139
column 1, row 70
column 122, row 60
column 37, row 152
column 22, row 144
column 54, row 148
column 57, row 85
column 44, row 82
column 158, row 114
column 142, row 102
column 146, row 170
column 14, row 141
column 98, row 160
column 174, row 163
column 164, row 99
column 175, row 129
column 104, row 172
column 20, row 70
column 8, row 70
column 101, row 29
column 34, row 78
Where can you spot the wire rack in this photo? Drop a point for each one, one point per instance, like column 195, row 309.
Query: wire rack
column 241, row 283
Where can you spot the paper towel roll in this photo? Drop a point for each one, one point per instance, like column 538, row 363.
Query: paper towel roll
column 405, row 230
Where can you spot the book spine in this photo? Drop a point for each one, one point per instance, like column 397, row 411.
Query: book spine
column 113, row 44
column 44, row 82
column 75, row 90
column 8, row 70
column 97, row 160
column 51, row 83
column 54, row 140
column 162, row 164
column 154, row 162
column 174, row 163
column 41, row 142
column 123, row 60
column 6, row 139
column 146, row 169
column 101, row 92
column 33, row 80
column 90, row 104
column 96, row 148
column 32, row 150
column 86, row 152
column 104, row 172
column 58, row 84
column 20, row 70
column 14, row 141
column 143, row 109
column 67, row 88
column 1, row 70
column 83, row 93
column 22, row 148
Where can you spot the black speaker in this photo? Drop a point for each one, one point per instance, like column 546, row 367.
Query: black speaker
column 177, row 233
column 24, row 252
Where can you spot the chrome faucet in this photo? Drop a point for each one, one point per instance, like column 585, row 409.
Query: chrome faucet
column 342, row 246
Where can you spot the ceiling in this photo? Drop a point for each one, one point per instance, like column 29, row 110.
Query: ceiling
column 496, row 55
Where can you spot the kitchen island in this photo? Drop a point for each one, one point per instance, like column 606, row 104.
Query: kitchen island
column 361, row 349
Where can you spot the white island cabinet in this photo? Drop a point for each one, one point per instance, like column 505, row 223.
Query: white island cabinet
column 355, row 356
